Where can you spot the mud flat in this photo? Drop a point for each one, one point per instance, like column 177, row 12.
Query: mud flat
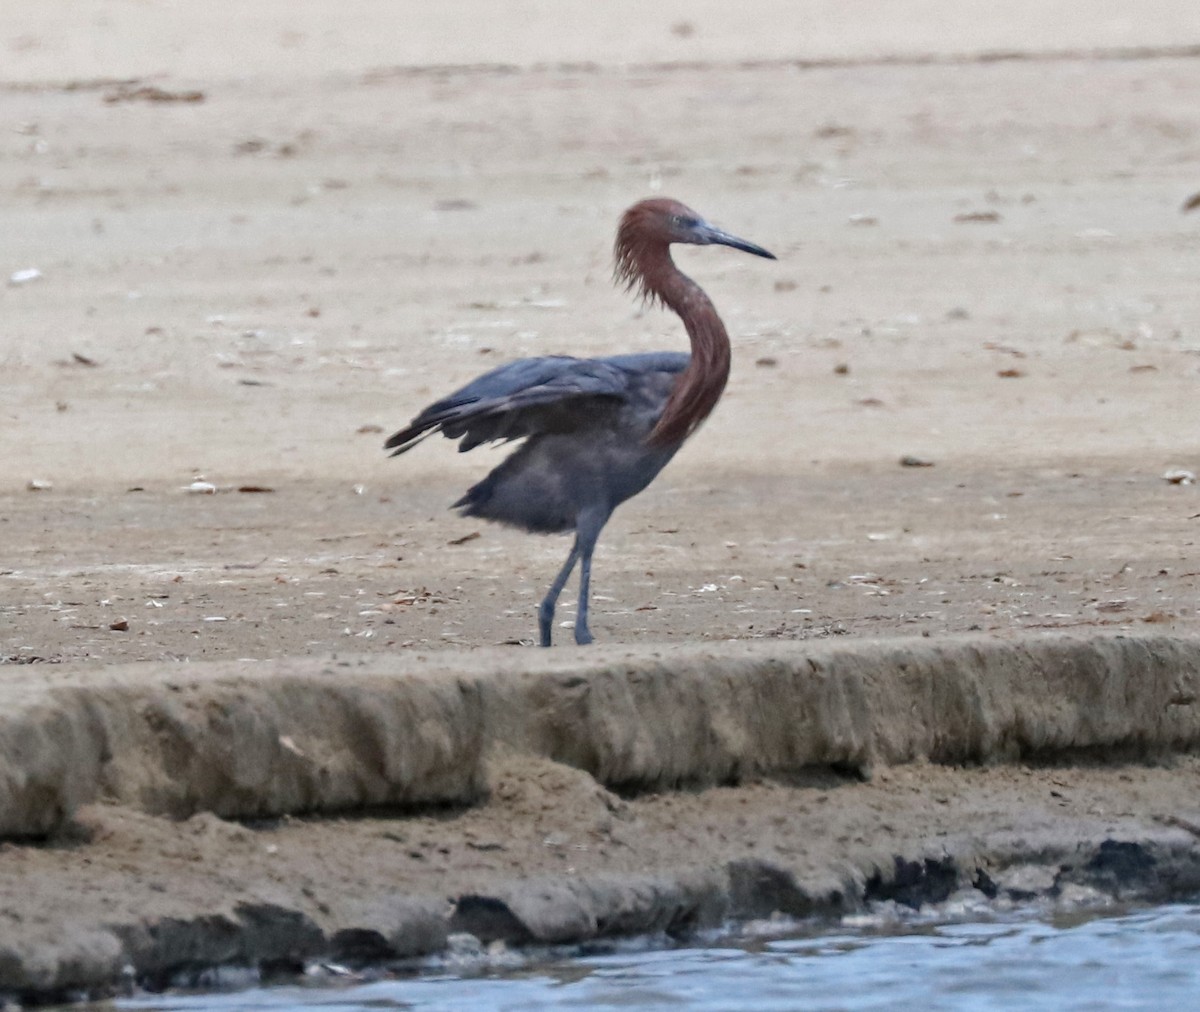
column 166, row 819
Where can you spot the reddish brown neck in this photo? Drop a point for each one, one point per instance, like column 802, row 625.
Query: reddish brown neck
column 701, row 384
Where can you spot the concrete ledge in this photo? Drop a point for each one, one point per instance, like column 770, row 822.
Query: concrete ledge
column 298, row 736
column 708, row 716
column 239, row 741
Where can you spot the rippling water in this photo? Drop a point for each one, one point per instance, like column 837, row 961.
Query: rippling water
column 1144, row 960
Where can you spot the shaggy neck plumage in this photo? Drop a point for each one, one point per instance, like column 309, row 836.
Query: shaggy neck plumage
column 648, row 267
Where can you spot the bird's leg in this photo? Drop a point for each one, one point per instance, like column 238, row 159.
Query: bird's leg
column 587, row 533
column 546, row 608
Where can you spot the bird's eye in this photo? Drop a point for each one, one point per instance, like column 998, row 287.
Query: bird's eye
column 682, row 221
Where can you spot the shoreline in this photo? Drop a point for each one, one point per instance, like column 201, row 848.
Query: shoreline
column 367, row 809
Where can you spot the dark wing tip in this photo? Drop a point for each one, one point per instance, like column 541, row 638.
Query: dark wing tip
column 404, row 440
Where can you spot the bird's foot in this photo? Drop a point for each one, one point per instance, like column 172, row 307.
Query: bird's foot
column 545, row 623
column 582, row 636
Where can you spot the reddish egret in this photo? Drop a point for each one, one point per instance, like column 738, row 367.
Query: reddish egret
column 596, row 430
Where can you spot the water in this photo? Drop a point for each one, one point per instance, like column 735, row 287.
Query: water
column 1144, row 960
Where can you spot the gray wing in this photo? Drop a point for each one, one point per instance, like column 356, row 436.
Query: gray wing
column 533, row 396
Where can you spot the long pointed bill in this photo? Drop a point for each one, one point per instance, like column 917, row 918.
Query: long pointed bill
column 717, row 237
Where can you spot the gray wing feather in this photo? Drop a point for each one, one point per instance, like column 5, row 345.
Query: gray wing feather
column 532, row 396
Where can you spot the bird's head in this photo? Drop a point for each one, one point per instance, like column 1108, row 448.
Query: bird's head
column 650, row 226
column 665, row 220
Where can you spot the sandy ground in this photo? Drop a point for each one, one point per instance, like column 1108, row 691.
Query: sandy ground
column 983, row 266
column 265, row 238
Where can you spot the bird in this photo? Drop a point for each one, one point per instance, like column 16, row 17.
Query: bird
column 595, row 431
